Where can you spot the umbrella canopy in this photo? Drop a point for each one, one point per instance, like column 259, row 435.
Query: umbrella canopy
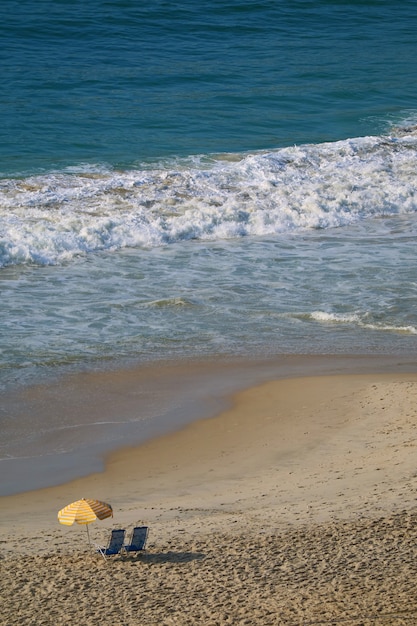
column 84, row 512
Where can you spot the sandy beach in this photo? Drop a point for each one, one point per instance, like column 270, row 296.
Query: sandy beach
column 295, row 506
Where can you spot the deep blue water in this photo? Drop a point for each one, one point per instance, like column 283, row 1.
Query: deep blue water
column 123, row 82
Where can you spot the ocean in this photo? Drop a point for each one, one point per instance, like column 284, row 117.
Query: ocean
column 203, row 181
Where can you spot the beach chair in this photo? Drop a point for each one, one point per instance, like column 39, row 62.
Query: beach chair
column 115, row 544
column 138, row 539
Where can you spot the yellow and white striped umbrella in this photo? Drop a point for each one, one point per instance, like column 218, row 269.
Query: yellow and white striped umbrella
column 84, row 512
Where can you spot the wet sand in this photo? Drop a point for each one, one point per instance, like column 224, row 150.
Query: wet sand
column 295, row 506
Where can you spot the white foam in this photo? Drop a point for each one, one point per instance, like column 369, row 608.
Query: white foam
column 361, row 321
column 52, row 218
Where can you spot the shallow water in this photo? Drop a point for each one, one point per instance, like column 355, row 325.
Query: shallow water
column 301, row 250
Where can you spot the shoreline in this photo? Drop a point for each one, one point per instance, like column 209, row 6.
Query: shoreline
column 296, row 504
column 298, row 414
column 74, row 423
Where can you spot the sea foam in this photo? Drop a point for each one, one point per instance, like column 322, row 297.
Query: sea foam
column 54, row 217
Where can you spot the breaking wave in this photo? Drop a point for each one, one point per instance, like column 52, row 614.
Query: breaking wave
column 52, row 218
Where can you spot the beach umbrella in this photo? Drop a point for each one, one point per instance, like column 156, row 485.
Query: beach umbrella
column 84, row 511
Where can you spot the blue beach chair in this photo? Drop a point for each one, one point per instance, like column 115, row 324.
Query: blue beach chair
column 115, row 544
column 138, row 540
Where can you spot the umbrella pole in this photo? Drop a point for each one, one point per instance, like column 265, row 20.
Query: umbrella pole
column 88, row 535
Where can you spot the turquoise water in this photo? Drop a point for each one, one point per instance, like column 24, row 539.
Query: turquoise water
column 204, row 180
column 124, row 82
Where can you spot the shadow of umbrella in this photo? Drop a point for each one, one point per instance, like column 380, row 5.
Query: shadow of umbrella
column 170, row 557
column 84, row 511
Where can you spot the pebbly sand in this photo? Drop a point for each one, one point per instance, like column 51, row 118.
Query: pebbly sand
column 295, row 506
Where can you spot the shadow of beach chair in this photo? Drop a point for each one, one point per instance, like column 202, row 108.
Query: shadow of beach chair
column 138, row 540
column 115, row 544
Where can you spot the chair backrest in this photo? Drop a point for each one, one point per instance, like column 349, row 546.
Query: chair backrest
column 116, row 541
column 139, row 536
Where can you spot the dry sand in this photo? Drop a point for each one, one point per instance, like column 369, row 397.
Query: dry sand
column 296, row 506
